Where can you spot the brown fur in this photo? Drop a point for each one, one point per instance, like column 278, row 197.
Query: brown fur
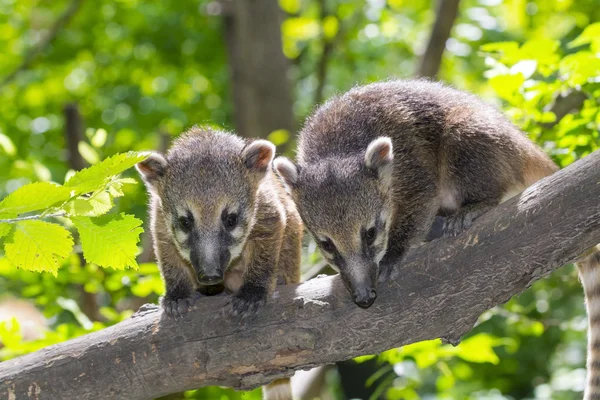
column 453, row 156
column 205, row 173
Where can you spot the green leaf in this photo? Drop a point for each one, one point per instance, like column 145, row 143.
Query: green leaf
column 93, row 206
column 115, row 188
column 507, row 86
column 110, row 242
column 479, row 349
column 38, row 246
column 505, row 48
column 590, row 34
column 6, row 228
column 33, row 197
column 98, row 176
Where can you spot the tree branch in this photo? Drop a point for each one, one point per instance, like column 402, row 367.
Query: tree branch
column 564, row 105
column 440, row 291
column 60, row 23
column 446, row 13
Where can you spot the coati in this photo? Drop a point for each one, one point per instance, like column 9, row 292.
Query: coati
column 376, row 165
column 218, row 213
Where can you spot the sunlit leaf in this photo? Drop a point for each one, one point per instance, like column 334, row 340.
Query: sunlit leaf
column 33, row 197
column 97, row 176
column 38, row 246
column 109, row 241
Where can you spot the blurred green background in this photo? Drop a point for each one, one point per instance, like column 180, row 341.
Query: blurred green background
column 82, row 80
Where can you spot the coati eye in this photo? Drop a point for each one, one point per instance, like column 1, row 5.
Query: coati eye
column 186, row 223
column 327, row 245
column 230, row 221
column 370, row 236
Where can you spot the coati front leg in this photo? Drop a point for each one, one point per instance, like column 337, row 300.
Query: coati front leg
column 261, row 257
column 407, row 229
column 462, row 219
column 180, row 293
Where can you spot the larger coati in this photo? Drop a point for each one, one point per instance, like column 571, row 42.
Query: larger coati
column 218, row 213
column 378, row 163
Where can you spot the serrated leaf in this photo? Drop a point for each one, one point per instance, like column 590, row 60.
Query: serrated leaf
column 6, row 228
column 101, row 203
column 110, row 241
column 116, row 187
column 97, row 176
column 93, row 206
column 33, row 197
column 78, row 207
column 38, row 246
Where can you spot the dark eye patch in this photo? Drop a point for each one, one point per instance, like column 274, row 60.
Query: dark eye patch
column 230, row 219
column 186, row 222
column 327, row 245
column 370, row 235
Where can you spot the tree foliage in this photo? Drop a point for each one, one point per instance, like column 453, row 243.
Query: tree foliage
column 142, row 71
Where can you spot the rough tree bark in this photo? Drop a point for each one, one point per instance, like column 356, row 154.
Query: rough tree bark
column 431, row 60
column 440, row 290
column 262, row 91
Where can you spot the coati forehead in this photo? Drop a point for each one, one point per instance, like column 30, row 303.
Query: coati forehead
column 206, row 174
column 338, row 198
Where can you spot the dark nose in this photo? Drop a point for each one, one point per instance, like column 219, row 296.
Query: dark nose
column 365, row 298
column 210, row 279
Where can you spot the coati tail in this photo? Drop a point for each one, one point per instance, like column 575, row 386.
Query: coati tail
column 280, row 389
column 589, row 272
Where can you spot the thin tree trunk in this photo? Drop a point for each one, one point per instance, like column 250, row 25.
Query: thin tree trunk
column 262, row 91
column 447, row 11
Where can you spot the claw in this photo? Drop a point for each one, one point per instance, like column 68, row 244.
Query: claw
column 175, row 309
column 244, row 307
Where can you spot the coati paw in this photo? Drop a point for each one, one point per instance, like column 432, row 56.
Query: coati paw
column 455, row 224
column 177, row 308
column 248, row 301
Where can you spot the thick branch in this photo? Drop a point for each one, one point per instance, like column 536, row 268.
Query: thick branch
column 446, row 13
column 440, row 291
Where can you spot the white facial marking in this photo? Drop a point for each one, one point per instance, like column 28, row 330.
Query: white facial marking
column 237, row 232
column 236, row 250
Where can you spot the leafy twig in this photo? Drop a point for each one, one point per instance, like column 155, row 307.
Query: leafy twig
column 31, row 217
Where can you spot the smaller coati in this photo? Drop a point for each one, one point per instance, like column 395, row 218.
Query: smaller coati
column 218, row 214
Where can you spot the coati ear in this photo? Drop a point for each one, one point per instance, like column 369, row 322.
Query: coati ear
column 258, row 155
column 379, row 158
column 152, row 169
column 287, row 171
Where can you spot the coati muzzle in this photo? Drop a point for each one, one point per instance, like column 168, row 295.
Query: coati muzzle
column 360, row 281
column 210, row 265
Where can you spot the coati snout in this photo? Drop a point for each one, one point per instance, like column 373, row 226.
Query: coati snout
column 360, row 278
